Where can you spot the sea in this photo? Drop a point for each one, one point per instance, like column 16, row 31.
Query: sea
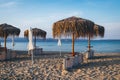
column 100, row 46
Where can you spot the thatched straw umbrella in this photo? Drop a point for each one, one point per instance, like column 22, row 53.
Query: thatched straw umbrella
column 37, row 33
column 98, row 31
column 77, row 27
column 6, row 30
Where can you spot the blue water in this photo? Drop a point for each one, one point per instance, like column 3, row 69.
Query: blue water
column 80, row 45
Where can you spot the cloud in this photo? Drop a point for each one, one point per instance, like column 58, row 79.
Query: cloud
column 8, row 4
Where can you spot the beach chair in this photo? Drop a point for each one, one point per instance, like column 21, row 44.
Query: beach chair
column 70, row 61
column 38, row 51
column 89, row 54
column 2, row 55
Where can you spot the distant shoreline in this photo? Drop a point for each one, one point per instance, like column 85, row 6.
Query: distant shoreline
column 22, row 39
column 66, row 52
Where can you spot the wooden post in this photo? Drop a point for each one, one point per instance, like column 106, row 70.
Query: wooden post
column 73, row 54
column 5, row 49
column 5, row 40
column 35, row 42
column 89, row 42
column 5, row 37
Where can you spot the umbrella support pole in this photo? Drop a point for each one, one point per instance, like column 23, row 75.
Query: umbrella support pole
column 89, row 42
column 5, row 37
column 32, row 56
column 73, row 54
column 13, row 44
column 60, row 50
column 35, row 42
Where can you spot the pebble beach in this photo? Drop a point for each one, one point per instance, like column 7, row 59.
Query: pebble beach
column 103, row 66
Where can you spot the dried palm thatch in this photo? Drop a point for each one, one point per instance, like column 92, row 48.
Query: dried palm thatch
column 6, row 30
column 66, row 27
column 99, row 30
column 37, row 33
column 77, row 27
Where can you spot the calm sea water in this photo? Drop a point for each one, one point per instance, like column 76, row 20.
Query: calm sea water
column 80, row 45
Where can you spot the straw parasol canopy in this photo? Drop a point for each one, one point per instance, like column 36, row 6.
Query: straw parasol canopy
column 73, row 26
column 7, row 30
column 37, row 33
column 98, row 31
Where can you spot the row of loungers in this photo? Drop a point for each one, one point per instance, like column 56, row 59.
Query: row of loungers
column 7, row 54
column 11, row 54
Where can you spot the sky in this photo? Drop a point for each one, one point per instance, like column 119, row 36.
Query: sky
column 43, row 13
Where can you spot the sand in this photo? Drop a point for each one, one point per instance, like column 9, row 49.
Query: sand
column 104, row 66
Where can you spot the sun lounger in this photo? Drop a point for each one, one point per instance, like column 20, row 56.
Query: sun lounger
column 70, row 61
column 38, row 51
column 89, row 54
column 2, row 56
